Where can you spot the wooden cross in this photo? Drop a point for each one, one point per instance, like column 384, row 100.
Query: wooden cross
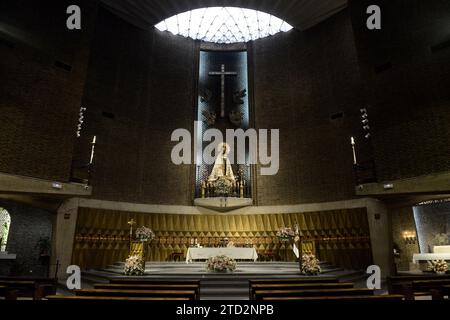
column 222, row 75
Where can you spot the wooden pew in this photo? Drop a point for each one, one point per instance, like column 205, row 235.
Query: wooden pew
column 119, row 286
column 403, row 284
column 149, row 281
column 298, row 280
column 152, row 281
column 298, row 286
column 338, row 298
column 4, row 292
column 14, row 289
column 446, row 291
column 35, row 287
column 190, row 294
column 294, row 280
column 100, row 298
column 431, row 287
column 260, row 294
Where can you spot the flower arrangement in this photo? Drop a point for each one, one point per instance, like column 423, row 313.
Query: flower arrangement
column 221, row 264
column 438, row 266
column 223, row 187
column 310, row 264
column 134, row 266
column 285, row 234
column 144, row 233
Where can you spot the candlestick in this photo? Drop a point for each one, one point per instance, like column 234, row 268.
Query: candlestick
column 94, row 140
column 352, row 140
column 203, row 189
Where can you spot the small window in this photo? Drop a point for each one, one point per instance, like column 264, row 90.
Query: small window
column 5, row 223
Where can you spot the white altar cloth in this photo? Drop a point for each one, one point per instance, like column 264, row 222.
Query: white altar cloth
column 441, row 249
column 430, row 256
column 232, row 252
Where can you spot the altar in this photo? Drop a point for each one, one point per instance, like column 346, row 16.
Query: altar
column 439, row 253
column 232, row 252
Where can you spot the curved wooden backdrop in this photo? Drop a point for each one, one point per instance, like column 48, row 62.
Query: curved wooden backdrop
column 340, row 237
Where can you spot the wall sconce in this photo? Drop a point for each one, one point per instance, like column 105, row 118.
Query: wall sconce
column 409, row 237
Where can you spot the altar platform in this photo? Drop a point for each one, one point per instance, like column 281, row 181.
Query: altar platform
column 221, row 286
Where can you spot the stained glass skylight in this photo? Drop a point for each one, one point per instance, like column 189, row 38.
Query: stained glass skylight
column 224, row 24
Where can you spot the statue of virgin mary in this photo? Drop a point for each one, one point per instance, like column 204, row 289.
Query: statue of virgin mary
column 222, row 166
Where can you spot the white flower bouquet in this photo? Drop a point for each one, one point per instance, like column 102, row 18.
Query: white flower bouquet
column 438, row 266
column 221, row 264
column 134, row 266
column 144, row 234
column 310, row 264
column 285, row 234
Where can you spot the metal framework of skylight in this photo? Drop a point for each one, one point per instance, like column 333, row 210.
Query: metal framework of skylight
column 224, row 25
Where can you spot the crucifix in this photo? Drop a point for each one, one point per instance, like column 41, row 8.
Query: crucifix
column 222, row 75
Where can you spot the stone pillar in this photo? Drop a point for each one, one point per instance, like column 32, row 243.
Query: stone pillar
column 63, row 237
column 380, row 236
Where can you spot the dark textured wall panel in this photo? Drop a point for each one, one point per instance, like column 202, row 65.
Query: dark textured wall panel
column 28, row 225
column 301, row 79
column 39, row 101
column 408, row 103
column 145, row 79
column 141, row 86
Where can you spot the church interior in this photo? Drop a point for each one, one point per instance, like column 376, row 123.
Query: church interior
column 225, row 150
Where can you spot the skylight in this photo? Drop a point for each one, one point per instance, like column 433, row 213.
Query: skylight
column 224, row 24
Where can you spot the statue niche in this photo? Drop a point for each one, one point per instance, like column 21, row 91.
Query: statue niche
column 217, row 186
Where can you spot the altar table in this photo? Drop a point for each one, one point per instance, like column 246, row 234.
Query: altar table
column 232, row 252
column 430, row 256
column 439, row 253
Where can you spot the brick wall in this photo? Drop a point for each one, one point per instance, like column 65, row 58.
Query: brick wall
column 407, row 81
column 140, row 87
column 144, row 79
column 40, row 101
column 301, row 79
